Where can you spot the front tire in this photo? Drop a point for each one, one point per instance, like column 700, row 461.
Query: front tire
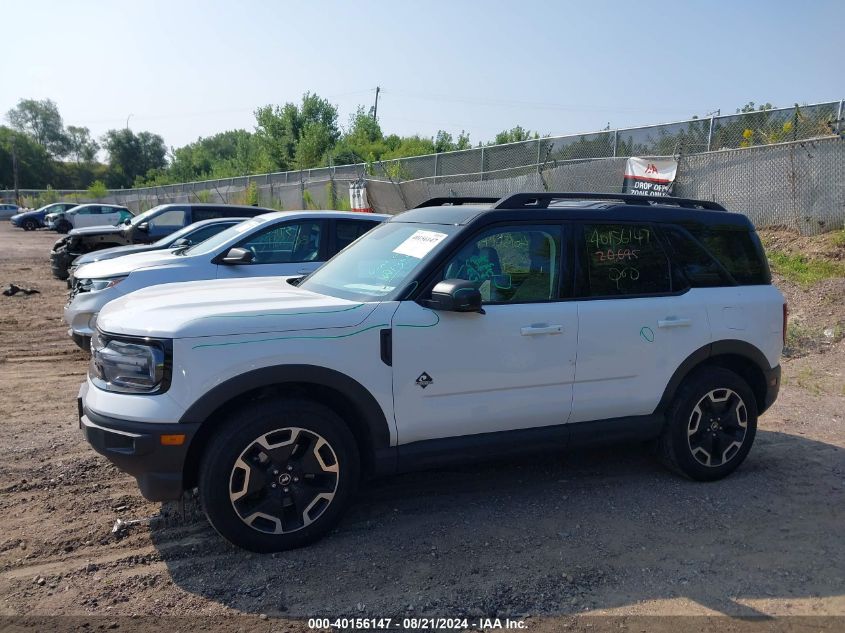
column 710, row 425
column 29, row 224
column 63, row 227
column 279, row 474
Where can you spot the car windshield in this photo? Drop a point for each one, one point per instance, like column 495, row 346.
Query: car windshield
column 376, row 266
column 216, row 241
column 146, row 215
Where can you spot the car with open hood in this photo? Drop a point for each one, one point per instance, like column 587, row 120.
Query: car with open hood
column 144, row 228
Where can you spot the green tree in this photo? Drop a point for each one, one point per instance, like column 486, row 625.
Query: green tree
column 131, row 155
column 281, row 129
column 42, row 121
column 516, row 133
column 81, row 147
column 35, row 168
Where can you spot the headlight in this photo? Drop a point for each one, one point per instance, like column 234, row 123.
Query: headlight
column 130, row 364
column 93, row 285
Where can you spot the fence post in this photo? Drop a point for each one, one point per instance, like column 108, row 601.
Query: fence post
column 839, row 115
column 710, row 133
column 539, row 147
column 436, row 163
column 615, row 137
column 482, row 162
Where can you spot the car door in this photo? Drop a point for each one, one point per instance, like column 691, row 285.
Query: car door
column 109, row 215
column 86, row 216
column 512, row 367
column 636, row 327
column 291, row 247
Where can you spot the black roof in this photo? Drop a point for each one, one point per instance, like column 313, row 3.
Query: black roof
column 572, row 206
column 216, row 205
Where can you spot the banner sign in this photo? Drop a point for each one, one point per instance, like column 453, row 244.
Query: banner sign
column 358, row 197
column 650, row 176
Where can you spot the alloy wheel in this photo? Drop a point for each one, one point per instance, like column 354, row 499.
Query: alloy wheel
column 717, row 427
column 284, row 480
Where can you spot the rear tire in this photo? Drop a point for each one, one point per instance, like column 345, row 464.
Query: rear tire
column 279, row 474
column 710, row 425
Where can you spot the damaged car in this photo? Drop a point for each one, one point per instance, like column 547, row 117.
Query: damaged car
column 145, row 228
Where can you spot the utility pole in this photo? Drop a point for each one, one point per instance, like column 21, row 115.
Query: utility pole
column 375, row 107
column 15, row 170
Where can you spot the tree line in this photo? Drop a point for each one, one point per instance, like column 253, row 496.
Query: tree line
column 38, row 151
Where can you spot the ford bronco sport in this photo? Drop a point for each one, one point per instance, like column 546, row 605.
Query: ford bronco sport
column 453, row 331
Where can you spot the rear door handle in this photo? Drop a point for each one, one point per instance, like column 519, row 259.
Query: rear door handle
column 674, row 322
column 542, row 328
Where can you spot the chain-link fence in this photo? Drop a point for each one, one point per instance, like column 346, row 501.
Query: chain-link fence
column 761, row 162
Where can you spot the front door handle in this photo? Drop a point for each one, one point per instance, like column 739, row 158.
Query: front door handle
column 303, row 271
column 674, row 321
column 540, row 328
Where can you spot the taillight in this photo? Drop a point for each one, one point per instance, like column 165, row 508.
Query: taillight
column 785, row 312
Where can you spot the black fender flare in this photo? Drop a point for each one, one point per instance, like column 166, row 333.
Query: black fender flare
column 717, row 348
column 371, row 412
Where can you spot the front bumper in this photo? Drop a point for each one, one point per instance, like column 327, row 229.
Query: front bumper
column 136, row 448
column 60, row 262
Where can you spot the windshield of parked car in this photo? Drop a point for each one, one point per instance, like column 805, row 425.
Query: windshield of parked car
column 145, row 216
column 216, row 241
column 377, row 265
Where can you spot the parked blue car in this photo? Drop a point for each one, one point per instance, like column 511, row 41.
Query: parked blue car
column 31, row 220
column 7, row 210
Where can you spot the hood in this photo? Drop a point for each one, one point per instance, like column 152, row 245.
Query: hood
column 102, row 229
column 227, row 306
column 125, row 265
column 111, row 253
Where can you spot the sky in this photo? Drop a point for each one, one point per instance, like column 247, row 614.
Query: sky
column 185, row 68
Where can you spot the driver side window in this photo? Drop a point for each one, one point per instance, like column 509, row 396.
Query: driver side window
column 292, row 242
column 511, row 264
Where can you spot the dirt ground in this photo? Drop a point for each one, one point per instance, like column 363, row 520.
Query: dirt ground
column 606, row 532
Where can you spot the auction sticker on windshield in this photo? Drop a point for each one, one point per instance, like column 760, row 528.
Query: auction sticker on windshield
column 420, row 244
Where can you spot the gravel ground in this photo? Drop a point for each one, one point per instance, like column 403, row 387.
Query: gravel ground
column 605, row 532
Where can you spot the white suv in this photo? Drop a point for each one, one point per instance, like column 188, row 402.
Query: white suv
column 544, row 321
column 84, row 215
column 279, row 243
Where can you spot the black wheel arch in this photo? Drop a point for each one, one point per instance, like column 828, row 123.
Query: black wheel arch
column 741, row 357
column 344, row 395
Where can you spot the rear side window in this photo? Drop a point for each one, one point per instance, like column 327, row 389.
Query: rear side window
column 692, row 265
column 205, row 213
column 347, row 231
column 624, row 260
column 738, row 250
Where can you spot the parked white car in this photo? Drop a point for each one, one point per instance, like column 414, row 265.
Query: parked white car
column 449, row 333
column 281, row 243
column 87, row 215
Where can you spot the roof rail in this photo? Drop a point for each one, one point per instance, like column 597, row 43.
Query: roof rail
column 544, row 199
column 457, row 200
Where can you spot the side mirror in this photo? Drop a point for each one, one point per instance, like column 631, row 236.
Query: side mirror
column 456, row 295
column 237, row 255
column 144, row 226
column 181, row 243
